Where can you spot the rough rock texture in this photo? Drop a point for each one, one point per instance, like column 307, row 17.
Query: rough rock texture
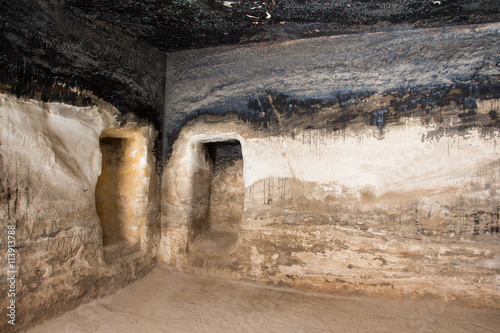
column 52, row 49
column 218, row 228
column 397, row 72
column 371, row 161
column 49, row 52
column 175, row 24
column 50, row 161
column 122, row 187
column 289, row 98
column 409, row 214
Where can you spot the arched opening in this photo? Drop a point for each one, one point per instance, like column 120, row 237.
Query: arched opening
column 121, row 191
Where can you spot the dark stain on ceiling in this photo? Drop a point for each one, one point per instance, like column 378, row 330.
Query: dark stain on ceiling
column 52, row 50
column 174, row 25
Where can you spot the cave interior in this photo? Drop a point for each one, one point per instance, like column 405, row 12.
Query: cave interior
column 341, row 147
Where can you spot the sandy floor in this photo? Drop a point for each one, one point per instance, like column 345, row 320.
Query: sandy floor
column 166, row 301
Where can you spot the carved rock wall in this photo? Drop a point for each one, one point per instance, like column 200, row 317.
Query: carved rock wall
column 50, row 163
column 370, row 162
column 409, row 214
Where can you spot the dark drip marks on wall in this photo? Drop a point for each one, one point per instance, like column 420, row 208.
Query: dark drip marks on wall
column 278, row 112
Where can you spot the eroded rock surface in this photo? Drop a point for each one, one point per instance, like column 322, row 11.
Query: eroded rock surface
column 50, row 163
column 370, row 161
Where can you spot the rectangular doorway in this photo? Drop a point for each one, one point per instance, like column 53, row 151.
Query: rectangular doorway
column 220, row 226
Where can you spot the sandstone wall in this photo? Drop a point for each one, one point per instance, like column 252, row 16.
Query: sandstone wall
column 50, row 160
column 370, row 162
column 406, row 214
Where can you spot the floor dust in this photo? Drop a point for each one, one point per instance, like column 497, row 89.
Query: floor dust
column 167, row 301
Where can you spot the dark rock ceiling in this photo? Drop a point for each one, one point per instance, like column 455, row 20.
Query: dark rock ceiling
column 173, row 25
column 116, row 48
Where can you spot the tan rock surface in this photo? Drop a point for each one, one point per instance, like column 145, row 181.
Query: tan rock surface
column 167, row 301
